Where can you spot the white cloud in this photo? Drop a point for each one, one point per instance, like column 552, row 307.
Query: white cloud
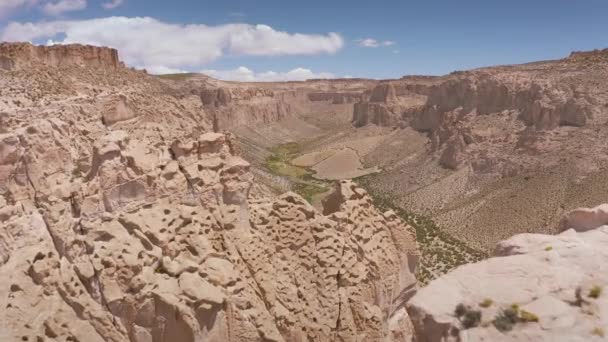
column 245, row 74
column 62, row 6
column 147, row 42
column 373, row 43
column 7, row 6
column 162, row 70
column 112, row 4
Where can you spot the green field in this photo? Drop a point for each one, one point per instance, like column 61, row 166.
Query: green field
column 303, row 183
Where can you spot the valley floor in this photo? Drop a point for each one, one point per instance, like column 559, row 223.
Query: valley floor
column 440, row 251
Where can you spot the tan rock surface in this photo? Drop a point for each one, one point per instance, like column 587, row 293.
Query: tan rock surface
column 556, row 282
column 124, row 218
column 22, row 55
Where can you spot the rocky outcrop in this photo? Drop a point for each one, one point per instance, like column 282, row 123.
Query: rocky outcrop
column 544, row 106
column 22, row 55
column 160, row 241
column 536, row 288
column 235, row 104
column 385, row 106
column 123, row 218
column 334, row 98
column 588, row 56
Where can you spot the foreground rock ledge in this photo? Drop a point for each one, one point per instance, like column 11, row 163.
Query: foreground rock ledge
column 162, row 242
column 556, row 284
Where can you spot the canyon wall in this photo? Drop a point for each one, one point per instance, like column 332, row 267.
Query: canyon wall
column 22, row 55
column 124, row 218
column 390, row 103
column 233, row 104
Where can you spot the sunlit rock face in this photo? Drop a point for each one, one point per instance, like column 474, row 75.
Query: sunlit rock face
column 536, row 288
column 124, row 217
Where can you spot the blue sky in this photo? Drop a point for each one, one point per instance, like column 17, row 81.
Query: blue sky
column 316, row 38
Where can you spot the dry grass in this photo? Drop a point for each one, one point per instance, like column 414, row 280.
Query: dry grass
column 441, row 252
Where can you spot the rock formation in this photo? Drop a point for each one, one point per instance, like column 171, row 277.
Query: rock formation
column 15, row 56
column 162, row 244
column 391, row 103
column 536, row 288
column 235, row 104
column 124, row 218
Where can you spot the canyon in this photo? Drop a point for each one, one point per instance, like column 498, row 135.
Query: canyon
column 136, row 207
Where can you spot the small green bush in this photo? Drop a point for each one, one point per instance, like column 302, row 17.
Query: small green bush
column 486, row 303
column 548, row 248
column 468, row 317
column 505, row 320
column 471, row 319
column 595, row 292
column 526, row 316
column 460, row 310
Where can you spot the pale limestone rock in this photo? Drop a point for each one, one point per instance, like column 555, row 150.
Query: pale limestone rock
column 551, row 278
column 584, row 219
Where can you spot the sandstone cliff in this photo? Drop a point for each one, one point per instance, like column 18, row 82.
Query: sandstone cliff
column 238, row 104
column 164, row 244
column 14, row 56
column 390, row 103
column 124, row 218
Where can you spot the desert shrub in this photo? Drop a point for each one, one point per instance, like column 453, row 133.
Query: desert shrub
column 526, row 316
column 595, row 292
column 486, row 303
column 505, row 320
column 548, row 248
column 460, row 310
column 471, row 319
column 468, row 317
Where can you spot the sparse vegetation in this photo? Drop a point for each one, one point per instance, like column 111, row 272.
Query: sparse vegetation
column 486, row 303
column 471, row 319
column 309, row 190
column 505, row 320
column 527, row 316
column 595, row 292
column 302, row 182
column 468, row 317
column 279, row 161
column 441, row 252
column 548, row 248
column 460, row 310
